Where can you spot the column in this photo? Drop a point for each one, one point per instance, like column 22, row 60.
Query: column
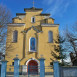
column 3, row 68
column 42, row 67
column 56, row 69
column 16, row 67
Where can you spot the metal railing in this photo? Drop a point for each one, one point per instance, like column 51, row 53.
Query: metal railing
column 29, row 71
column 10, row 71
column 49, row 71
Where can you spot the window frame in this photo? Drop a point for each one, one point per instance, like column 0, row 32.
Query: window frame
column 13, row 36
column 30, row 45
column 32, row 19
column 50, row 36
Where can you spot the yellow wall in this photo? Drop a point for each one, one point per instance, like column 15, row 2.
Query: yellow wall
column 43, row 47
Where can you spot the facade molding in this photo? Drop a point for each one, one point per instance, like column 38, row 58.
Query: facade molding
column 34, row 28
column 32, row 59
column 16, row 24
column 49, row 25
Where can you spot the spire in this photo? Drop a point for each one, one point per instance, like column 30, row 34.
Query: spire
column 33, row 3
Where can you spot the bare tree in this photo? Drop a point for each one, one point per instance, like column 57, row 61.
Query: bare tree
column 5, row 17
column 72, row 42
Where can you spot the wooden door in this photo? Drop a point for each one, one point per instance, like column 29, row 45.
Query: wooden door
column 33, row 67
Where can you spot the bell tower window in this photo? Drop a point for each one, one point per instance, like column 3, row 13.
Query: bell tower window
column 33, row 19
column 15, row 35
column 50, row 37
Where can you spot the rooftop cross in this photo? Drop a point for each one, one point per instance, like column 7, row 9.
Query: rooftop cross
column 33, row 3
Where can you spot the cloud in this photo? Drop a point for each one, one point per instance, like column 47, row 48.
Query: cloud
column 58, row 7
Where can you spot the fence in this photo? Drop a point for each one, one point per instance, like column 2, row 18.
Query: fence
column 25, row 71
column 10, row 71
column 62, row 71
column 29, row 71
column 49, row 71
column 34, row 71
column 68, row 71
column 37, row 71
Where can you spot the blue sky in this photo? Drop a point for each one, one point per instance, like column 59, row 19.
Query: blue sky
column 63, row 11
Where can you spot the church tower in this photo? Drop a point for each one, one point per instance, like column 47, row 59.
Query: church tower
column 30, row 35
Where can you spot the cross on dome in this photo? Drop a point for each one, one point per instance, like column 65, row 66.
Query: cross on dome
column 33, row 3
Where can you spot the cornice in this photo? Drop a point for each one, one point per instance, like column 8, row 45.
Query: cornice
column 16, row 24
column 49, row 25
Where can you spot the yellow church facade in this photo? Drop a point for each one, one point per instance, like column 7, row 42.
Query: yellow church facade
column 31, row 35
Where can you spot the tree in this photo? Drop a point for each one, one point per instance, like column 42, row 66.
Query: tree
column 72, row 42
column 60, row 50
column 5, row 17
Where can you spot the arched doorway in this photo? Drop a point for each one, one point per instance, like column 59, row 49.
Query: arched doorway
column 33, row 67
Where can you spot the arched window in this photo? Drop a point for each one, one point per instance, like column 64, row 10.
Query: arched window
column 50, row 36
column 15, row 35
column 33, row 44
column 33, row 19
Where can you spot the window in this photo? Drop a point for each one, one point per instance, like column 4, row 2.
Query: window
column 33, row 44
column 15, row 35
column 13, row 63
column 33, row 19
column 50, row 36
column 46, row 21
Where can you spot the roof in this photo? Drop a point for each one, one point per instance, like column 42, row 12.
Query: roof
column 20, row 13
column 33, row 8
column 51, row 18
column 45, row 14
column 16, row 17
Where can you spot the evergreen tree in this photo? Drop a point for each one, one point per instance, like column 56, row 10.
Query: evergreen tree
column 60, row 51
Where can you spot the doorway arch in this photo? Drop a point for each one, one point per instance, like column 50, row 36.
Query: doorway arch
column 32, row 67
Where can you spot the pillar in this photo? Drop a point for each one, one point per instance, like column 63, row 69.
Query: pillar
column 16, row 67
column 3, row 68
column 56, row 69
column 42, row 67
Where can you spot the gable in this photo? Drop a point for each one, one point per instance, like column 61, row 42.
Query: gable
column 32, row 28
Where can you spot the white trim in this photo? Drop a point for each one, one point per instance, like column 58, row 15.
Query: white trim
column 32, row 59
column 50, row 25
column 16, row 24
column 35, row 45
column 32, row 19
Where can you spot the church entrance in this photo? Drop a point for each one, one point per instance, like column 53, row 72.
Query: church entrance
column 32, row 67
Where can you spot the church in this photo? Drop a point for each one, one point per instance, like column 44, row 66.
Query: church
column 31, row 35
